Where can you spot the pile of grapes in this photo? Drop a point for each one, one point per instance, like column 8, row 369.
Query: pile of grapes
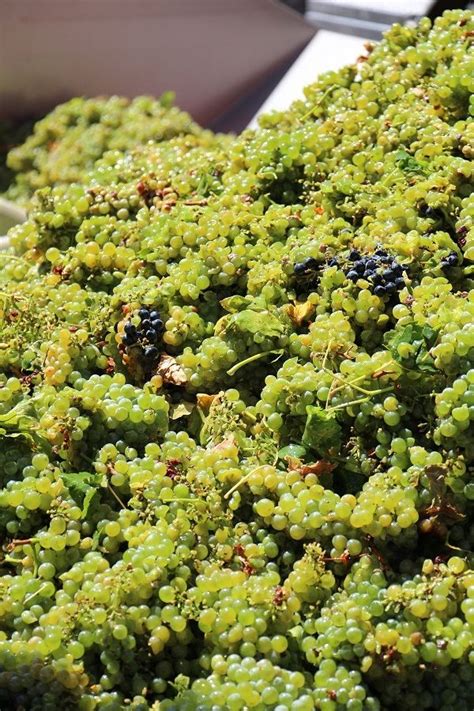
column 236, row 396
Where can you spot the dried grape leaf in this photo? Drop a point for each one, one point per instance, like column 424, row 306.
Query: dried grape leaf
column 225, row 443
column 204, row 401
column 300, row 312
column 319, row 468
column 170, row 371
column 180, row 409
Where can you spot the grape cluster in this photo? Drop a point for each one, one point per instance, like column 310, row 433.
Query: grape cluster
column 236, row 399
column 451, row 260
column 384, row 273
column 64, row 145
column 146, row 334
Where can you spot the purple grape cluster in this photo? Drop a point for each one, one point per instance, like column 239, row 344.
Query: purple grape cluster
column 380, row 269
column 147, row 334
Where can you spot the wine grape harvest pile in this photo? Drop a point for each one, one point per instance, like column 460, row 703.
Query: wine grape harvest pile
column 237, row 399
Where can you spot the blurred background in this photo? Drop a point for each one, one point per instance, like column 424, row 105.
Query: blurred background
column 369, row 18
column 226, row 60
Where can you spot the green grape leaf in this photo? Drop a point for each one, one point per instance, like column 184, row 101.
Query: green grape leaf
column 96, row 539
column 17, row 423
column 408, row 164
column 296, row 632
column 16, row 418
column 181, row 683
column 87, row 501
column 82, row 487
column 236, row 303
column 262, row 322
column 292, row 450
column 421, row 338
column 322, row 431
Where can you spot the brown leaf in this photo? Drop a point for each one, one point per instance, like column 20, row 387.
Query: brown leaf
column 300, row 312
column 170, row 371
column 293, row 463
column 204, row 401
column 319, row 468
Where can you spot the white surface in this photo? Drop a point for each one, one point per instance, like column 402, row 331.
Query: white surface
column 10, row 214
column 402, row 7
column 326, row 51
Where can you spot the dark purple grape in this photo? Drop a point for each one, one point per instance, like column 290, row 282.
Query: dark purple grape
column 130, row 329
column 299, row 268
column 151, row 352
column 157, row 324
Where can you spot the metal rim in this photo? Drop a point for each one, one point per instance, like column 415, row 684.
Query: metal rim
column 14, row 214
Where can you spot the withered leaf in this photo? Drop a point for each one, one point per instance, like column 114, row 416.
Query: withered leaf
column 204, row 401
column 170, row 371
column 319, row 468
column 300, row 312
column 181, row 409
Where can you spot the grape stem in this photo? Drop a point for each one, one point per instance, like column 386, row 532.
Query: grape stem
column 20, row 542
column 115, row 495
column 318, row 104
column 344, row 384
column 243, row 480
column 360, row 400
column 323, row 365
column 250, row 359
column 13, row 561
column 352, row 384
column 28, row 598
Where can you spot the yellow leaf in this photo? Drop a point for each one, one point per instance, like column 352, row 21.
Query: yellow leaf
column 300, row 312
column 205, row 401
column 181, row 409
